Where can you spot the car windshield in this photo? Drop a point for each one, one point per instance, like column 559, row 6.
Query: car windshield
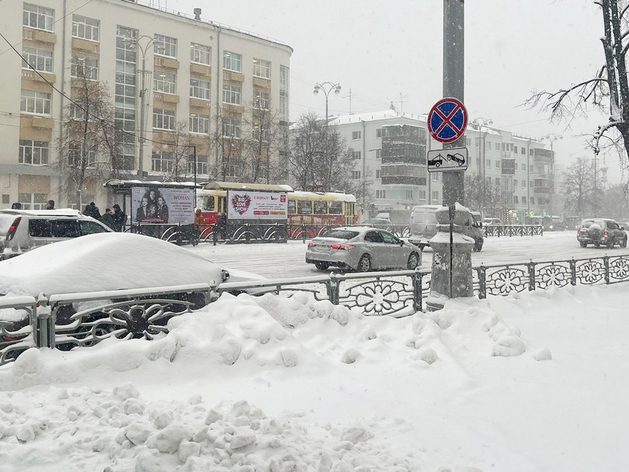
column 588, row 223
column 341, row 234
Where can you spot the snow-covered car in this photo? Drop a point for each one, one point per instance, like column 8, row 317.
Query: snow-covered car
column 362, row 249
column 601, row 232
column 112, row 262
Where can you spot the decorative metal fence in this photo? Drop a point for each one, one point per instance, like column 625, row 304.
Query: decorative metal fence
column 68, row 320
column 513, row 230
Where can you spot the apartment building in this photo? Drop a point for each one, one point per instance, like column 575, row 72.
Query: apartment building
column 178, row 86
column 390, row 156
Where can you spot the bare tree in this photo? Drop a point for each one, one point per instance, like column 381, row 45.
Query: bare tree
column 226, row 144
column 318, row 158
column 88, row 144
column 580, row 195
column 607, row 90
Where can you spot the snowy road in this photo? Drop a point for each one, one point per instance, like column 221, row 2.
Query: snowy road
column 288, row 260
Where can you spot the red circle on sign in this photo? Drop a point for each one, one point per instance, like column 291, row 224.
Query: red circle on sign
column 447, row 120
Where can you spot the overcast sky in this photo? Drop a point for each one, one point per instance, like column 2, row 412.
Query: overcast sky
column 392, row 52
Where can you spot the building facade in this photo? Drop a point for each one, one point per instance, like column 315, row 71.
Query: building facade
column 188, row 98
column 514, row 176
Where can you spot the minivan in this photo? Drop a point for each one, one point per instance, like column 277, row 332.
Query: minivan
column 424, row 226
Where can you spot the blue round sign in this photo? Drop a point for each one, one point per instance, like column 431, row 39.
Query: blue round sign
column 447, row 120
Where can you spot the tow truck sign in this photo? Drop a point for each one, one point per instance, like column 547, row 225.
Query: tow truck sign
column 447, row 160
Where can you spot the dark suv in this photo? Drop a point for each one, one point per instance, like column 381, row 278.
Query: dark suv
column 601, row 232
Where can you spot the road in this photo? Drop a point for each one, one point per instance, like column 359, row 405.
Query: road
column 276, row 261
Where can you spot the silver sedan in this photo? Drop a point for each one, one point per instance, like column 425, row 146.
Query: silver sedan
column 362, row 249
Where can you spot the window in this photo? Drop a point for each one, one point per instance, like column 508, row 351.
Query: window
column 356, row 154
column 200, row 53
column 523, row 199
column 261, row 132
column 356, row 174
column 515, row 149
column 515, row 183
column 38, row 17
column 434, row 195
column 199, row 124
column 524, row 167
column 422, row 195
column 165, row 46
column 261, row 68
column 163, row 119
column 75, row 153
column 263, row 100
column 378, row 153
column 497, row 181
column 320, row 208
column 33, row 152
column 497, row 164
column 524, row 184
column 232, row 61
column 38, row 59
column 33, row 201
column 165, row 82
column 84, row 68
column 201, row 165
column 522, row 150
column 231, row 128
column 379, row 133
column 231, row 94
column 434, row 176
column 381, row 194
column 304, row 207
column 488, row 145
column 35, row 102
column 378, row 173
column 515, row 198
column 200, row 89
column 488, row 163
column 85, row 28
column 409, row 194
column 356, row 135
column 162, row 161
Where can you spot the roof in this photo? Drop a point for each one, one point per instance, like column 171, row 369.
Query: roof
column 58, row 212
column 246, row 186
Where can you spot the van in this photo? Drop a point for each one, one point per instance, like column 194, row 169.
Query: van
column 424, row 226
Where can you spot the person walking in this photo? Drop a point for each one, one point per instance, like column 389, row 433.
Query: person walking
column 222, row 225
column 120, row 218
column 198, row 224
column 108, row 218
column 92, row 210
column 50, row 205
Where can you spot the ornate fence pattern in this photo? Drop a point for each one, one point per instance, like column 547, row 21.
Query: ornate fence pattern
column 65, row 321
column 513, row 230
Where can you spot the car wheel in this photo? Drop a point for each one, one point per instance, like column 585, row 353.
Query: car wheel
column 413, row 261
column 597, row 244
column 364, row 264
column 623, row 242
column 478, row 245
column 584, row 244
column 610, row 244
column 321, row 265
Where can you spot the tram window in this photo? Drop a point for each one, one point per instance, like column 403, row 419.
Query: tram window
column 208, row 203
column 321, row 208
column 291, row 207
column 336, row 208
column 304, row 207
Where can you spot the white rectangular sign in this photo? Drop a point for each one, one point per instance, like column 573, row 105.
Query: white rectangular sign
column 254, row 205
column 162, row 205
column 447, row 160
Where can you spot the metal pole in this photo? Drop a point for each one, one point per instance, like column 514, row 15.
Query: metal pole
column 142, row 111
column 528, row 179
column 194, row 149
column 453, row 86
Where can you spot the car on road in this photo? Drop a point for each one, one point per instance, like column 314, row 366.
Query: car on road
column 492, row 222
column 24, row 230
column 601, row 232
column 424, row 226
column 362, row 249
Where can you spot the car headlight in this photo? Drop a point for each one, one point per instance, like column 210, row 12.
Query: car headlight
column 224, row 275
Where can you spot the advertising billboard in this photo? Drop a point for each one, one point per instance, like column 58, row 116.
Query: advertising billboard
column 254, row 205
column 162, row 205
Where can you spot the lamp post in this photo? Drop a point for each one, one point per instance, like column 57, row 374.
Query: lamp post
column 326, row 88
column 552, row 138
column 479, row 123
column 143, row 48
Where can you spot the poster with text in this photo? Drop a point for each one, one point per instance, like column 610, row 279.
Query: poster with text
column 254, row 205
column 161, row 205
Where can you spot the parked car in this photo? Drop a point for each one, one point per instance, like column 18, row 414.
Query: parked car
column 361, row 249
column 24, row 230
column 382, row 223
column 424, row 227
column 492, row 222
column 601, row 232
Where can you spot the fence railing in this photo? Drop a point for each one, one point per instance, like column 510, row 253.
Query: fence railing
column 63, row 321
column 513, row 230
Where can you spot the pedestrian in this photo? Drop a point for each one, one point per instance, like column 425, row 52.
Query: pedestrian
column 50, row 205
column 92, row 210
column 222, row 225
column 119, row 218
column 16, row 206
column 198, row 224
column 108, row 218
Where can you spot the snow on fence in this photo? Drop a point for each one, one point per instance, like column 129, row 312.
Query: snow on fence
column 68, row 320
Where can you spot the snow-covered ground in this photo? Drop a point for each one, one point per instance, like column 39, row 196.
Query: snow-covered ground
column 530, row 382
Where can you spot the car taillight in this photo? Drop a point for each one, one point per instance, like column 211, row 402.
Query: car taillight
column 342, row 247
column 578, row 231
column 311, row 244
column 606, row 233
column 13, row 228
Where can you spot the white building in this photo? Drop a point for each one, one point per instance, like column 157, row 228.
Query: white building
column 200, row 73
column 521, row 166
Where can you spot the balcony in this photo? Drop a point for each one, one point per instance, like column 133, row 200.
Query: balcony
column 508, row 166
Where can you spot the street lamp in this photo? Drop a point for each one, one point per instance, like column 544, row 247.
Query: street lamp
column 143, row 48
column 326, row 88
column 479, row 123
column 552, row 138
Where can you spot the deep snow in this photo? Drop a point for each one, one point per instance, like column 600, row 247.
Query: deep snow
column 531, row 382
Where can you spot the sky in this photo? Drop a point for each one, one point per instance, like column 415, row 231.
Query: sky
column 392, row 52
column 531, row 382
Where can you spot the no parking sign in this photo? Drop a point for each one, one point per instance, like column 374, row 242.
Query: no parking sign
column 447, row 120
